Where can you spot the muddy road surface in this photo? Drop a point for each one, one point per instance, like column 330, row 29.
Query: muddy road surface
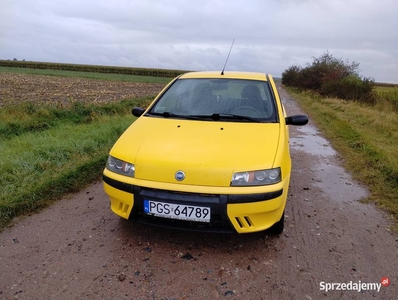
column 333, row 246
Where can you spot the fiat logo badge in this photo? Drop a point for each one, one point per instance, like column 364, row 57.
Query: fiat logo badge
column 180, row 176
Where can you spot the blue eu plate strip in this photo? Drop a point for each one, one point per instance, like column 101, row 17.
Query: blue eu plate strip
column 146, row 206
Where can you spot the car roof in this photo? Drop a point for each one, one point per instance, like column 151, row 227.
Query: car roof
column 227, row 74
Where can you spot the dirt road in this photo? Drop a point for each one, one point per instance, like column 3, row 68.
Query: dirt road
column 77, row 249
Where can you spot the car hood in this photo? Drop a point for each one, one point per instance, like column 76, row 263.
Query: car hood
column 208, row 152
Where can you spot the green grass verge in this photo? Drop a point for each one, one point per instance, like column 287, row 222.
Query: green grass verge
column 388, row 97
column 48, row 152
column 367, row 139
column 381, row 89
column 89, row 75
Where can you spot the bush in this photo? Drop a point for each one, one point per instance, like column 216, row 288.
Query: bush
column 331, row 77
column 291, row 76
column 351, row 87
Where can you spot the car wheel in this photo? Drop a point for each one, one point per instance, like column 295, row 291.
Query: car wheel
column 278, row 227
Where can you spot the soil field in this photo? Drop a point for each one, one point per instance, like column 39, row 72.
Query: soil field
column 333, row 246
column 16, row 88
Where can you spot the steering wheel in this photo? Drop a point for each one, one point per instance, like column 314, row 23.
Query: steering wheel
column 246, row 111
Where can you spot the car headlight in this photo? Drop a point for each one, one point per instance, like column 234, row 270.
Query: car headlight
column 260, row 177
column 120, row 166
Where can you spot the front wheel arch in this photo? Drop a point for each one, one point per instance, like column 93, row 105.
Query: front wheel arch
column 278, row 227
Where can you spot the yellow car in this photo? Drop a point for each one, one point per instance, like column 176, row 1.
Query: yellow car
column 211, row 153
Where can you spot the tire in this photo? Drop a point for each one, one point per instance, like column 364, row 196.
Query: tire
column 278, row 227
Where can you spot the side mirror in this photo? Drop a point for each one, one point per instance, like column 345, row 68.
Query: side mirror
column 137, row 111
column 297, row 120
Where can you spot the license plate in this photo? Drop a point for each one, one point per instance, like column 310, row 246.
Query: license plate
column 177, row 211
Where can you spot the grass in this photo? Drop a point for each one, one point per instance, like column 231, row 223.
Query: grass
column 381, row 89
column 387, row 97
column 89, row 75
column 28, row 117
column 367, row 139
column 49, row 151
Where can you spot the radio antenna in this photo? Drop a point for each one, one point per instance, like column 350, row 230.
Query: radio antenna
column 222, row 72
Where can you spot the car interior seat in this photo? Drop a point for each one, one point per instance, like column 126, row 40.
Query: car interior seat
column 251, row 97
column 203, row 100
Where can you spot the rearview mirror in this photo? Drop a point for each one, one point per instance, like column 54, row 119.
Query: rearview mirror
column 297, row 120
column 137, row 111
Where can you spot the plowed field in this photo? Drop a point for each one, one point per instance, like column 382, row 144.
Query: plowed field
column 16, row 88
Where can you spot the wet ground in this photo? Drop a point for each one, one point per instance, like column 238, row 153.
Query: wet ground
column 78, row 249
column 331, row 178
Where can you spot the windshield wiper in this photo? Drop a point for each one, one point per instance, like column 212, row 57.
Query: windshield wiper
column 215, row 116
column 222, row 116
column 237, row 117
column 168, row 114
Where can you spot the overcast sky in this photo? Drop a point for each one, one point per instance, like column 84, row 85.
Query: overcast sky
column 269, row 35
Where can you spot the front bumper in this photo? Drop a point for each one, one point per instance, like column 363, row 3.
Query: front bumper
column 242, row 213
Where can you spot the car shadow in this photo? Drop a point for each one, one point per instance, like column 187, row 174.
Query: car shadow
column 182, row 239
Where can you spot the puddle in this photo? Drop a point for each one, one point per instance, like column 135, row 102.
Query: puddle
column 329, row 176
column 336, row 183
column 310, row 142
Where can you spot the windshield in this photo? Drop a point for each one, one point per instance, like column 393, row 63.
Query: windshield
column 227, row 99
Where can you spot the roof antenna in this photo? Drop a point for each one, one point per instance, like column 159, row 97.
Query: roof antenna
column 222, row 72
